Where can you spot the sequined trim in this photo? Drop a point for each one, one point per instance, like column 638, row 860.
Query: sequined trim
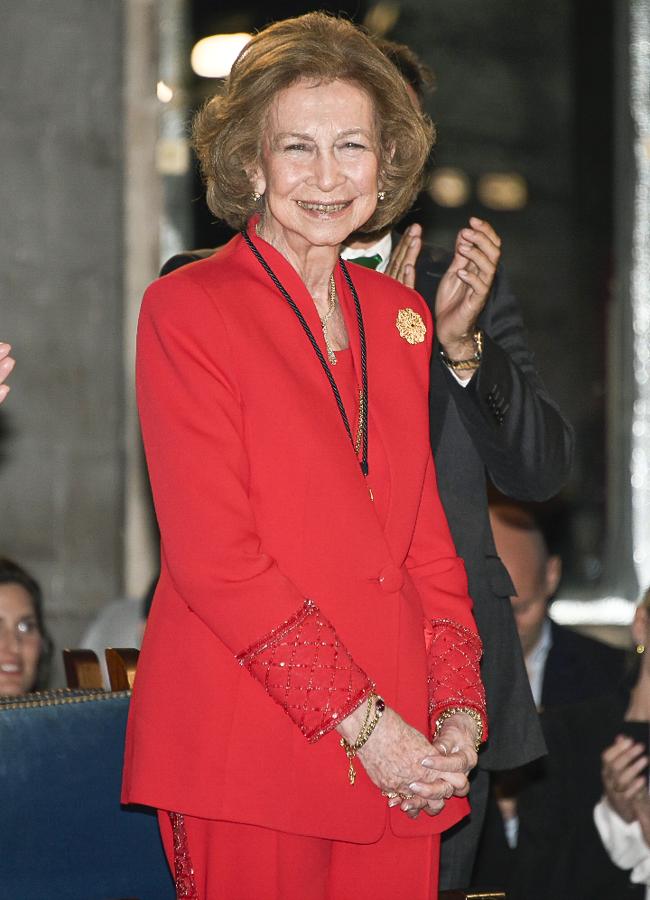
column 454, row 654
column 183, row 869
column 308, row 671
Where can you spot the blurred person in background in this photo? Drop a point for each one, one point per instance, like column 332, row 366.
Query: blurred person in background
column 563, row 666
column 118, row 624
column 6, row 366
column 25, row 646
column 622, row 816
column 521, row 846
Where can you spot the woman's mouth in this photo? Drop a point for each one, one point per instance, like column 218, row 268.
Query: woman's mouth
column 328, row 208
column 10, row 669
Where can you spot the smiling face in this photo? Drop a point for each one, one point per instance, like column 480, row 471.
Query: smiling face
column 20, row 641
column 320, row 165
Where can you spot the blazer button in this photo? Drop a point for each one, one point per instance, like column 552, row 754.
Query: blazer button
column 391, row 579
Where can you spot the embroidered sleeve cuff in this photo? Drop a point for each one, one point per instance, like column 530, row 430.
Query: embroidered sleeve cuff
column 305, row 668
column 454, row 657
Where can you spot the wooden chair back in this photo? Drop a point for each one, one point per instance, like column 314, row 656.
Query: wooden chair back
column 82, row 670
column 121, row 663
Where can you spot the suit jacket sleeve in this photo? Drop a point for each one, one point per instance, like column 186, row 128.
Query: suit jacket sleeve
column 520, row 434
column 193, row 427
column 451, row 638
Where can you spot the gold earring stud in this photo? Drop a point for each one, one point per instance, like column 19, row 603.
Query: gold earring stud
column 381, row 195
column 256, row 196
column 640, row 649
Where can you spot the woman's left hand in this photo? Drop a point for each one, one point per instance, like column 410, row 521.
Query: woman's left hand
column 465, row 287
column 456, row 740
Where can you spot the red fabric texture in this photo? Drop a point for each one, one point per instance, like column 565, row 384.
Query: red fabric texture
column 261, row 504
column 454, row 658
column 306, row 669
column 231, row 861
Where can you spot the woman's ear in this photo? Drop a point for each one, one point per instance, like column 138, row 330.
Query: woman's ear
column 258, row 181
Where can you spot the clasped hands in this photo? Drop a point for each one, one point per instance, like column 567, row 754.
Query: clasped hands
column 400, row 760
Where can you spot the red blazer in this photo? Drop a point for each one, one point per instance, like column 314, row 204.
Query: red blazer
column 261, row 503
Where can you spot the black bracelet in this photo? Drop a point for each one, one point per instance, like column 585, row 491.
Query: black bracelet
column 466, row 364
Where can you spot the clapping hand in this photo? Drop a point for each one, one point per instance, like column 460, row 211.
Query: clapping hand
column 465, row 287
column 623, row 782
column 401, row 265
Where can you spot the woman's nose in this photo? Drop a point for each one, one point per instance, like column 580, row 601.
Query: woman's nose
column 10, row 639
column 328, row 171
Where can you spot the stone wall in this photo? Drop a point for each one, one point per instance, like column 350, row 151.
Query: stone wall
column 61, row 300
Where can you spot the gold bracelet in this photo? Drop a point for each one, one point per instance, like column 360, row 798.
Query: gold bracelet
column 466, row 364
column 472, row 713
column 367, row 729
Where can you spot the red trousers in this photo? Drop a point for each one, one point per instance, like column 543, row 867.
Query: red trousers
column 214, row 860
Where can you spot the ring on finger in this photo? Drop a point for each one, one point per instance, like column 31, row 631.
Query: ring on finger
column 390, row 795
column 405, row 796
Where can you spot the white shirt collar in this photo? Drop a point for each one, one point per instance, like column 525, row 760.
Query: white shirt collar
column 536, row 661
column 383, row 247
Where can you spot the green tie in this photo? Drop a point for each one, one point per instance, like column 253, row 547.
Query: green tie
column 370, row 262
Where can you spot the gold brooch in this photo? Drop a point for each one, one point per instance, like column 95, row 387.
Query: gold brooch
column 410, row 326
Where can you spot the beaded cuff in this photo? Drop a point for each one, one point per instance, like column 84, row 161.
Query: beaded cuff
column 454, row 654
column 305, row 668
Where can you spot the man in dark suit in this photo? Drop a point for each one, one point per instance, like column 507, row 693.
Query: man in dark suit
column 538, row 811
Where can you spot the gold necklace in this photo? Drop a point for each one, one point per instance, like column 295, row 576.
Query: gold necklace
column 325, row 319
column 361, row 422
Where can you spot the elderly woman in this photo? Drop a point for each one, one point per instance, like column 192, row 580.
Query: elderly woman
column 309, row 678
column 25, row 647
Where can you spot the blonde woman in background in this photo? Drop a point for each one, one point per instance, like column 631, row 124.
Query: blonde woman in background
column 623, row 814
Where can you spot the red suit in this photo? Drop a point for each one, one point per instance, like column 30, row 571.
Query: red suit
column 285, row 591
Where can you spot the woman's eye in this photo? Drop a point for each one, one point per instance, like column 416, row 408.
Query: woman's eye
column 27, row 626
column 353, row 145
column 296, row 147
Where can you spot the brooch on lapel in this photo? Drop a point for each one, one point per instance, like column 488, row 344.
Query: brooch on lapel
column 410, row 326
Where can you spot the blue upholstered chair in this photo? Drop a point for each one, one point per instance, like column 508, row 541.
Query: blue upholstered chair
column 64, row 834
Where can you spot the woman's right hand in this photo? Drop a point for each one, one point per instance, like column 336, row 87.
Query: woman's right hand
column 623, row 782
column 392, row 758
column 6, row 365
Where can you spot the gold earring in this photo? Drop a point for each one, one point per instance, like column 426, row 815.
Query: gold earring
column 640, row 649
column 381, row 195
column 256, row 196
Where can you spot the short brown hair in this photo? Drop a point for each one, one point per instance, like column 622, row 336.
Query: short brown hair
column 228, row 131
